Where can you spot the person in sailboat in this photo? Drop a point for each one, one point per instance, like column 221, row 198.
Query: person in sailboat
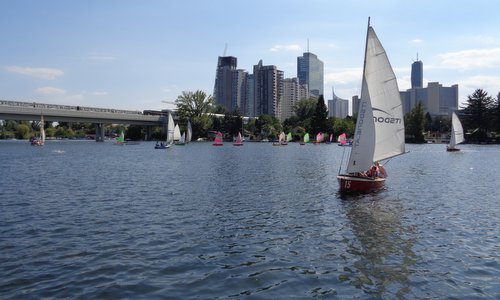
column 373, row 172
column 381, row 170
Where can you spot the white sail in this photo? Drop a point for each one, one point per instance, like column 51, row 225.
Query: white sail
column 42, row 130
column 177, row 132
column 189, row 134
column 170, row 129
column 379, row 132
column 457, row 132
column 182, row 140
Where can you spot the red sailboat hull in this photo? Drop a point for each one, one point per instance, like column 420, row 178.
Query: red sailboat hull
column 357, row 184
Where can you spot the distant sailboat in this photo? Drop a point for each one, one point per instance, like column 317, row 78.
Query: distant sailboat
column 39, row 141
column 457, row 133
column 182, row 140
column 177, row 133
column 189, row 134
column 289, row 137
column 319, row 138
column 239, row 140
column 375, row 139
column 281, row 140
column 306, row 139
column 218, row 139
column 170, row 131
column 120, row 140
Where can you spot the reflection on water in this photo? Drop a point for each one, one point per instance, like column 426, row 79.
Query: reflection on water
column 382, row 251
column 93, row 220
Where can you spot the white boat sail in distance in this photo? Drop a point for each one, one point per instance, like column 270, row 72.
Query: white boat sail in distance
column 457, row 133
column 379, row 133
column 170, row 131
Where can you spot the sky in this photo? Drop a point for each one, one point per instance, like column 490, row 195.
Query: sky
column 132, row 54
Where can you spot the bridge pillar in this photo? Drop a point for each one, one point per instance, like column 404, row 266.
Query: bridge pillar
column 99, row 132
column 148, row 130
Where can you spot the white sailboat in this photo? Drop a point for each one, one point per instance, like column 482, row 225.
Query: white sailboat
column 457, row 133
column 379, row 132
column 177, row 133
column 189, row 134
column 39, row 141
column 170, row 131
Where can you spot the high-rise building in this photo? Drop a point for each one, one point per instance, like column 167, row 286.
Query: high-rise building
column 268, row 88
column 338, row 107
column 355, row 104
column 436, row 99
column 291, row 95
column 223, row 81
column 417, row 74
column 238, row 91
column 310, row 72
column 250, row 97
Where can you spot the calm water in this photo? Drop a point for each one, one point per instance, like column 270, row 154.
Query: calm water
column 80, row 219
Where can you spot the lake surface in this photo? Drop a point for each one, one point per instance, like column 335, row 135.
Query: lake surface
column 80, row 219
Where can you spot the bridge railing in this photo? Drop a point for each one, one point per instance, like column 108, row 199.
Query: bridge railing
column 69, row 107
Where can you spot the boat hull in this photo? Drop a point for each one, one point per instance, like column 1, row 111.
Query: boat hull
column 355, row 184
column 452, row 149
column 237, row 144
column 217, row 145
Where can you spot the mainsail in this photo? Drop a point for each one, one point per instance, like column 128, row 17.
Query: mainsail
column 457, row 132
column 379, row 132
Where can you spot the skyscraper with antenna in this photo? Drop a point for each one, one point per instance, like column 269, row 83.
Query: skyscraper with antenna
column 310, row 72
column 417, row 74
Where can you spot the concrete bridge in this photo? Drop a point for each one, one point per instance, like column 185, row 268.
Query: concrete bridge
column 32, row 111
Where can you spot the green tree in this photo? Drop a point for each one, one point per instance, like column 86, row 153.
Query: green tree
column 195, row 107
column 414, row 124
column 233, row 123
column 269, row 126
column 496, row 114
column 304, row 109
column 319, row 119
column 22, row 131
column 477, row 114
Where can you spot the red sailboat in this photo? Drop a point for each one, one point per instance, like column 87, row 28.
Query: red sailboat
column 379, row 132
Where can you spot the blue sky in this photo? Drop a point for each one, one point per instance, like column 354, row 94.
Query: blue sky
column 132, row 54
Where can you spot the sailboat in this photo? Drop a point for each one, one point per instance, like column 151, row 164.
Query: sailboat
column 182, row 140
column 342, row 140
column 239, row 140
column 379, row 133
column 39, row 141
column 306, row 139
column 177, row 133
column 457, row 133
column 319, row 138
column 289, row 137
column 170, row 131
column 218, row 139
column 281, row 140
column 120, row 140
column 189, row 134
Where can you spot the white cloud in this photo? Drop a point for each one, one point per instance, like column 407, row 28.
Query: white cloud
column 417, row 41
column 100, row 93
column 344, row 76
column 293, row 47
column 49, row 90
column 43, row 73
column 471, row 59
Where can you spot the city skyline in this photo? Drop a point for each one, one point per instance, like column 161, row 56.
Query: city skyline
column 128, row 55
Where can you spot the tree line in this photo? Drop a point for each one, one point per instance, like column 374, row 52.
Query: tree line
column 480, row 118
